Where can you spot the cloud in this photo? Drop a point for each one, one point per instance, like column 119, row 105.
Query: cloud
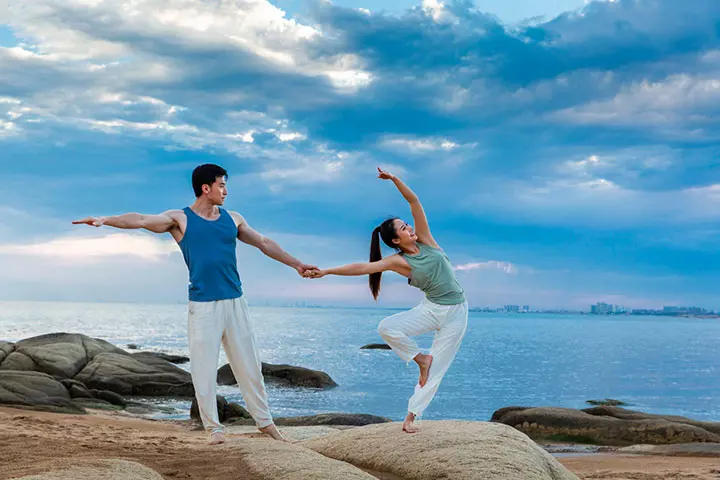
column 598, row 123
column 95, row 248
column 506, row 267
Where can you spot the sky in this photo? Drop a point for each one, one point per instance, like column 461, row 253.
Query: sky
column 565, row 152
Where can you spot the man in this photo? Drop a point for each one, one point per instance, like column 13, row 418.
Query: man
column 217, row 309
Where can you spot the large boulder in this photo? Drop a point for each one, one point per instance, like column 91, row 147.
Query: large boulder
column 35, row 390
column 445, row 449
column 96, row 469
column 126, row 375
column 604, row 426
column 283, row 374
column 226, row 410
column 61, row 355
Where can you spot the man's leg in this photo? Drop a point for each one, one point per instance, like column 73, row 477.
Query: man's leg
column 205, row 328
column 244, row 359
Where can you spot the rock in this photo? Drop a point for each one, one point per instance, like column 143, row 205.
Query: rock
column 285, row 461
column 99, row 365
column 96, row 469
column 149, row 356
column 604, row 426
column 110, row 397
column 76, row 389
column 225, row 375
column 37, row 390
column 326, row 419
column 19, row 362
column 96, row 404
column 61, row 355
column 376, row 346
column 625, row 414
column 350, row 419
column 443, row 449
column 285, row 374
column 6, row 348
column 677, row 450
column 608, row 402
column 126, row 375
column 226, row 410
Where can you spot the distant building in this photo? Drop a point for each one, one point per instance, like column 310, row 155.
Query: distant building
column 526, row 309
column 602, row 308
column 672, row 310
column 512, row 308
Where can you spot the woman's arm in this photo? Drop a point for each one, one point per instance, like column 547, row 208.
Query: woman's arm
column 422, row 227
column 394, row 263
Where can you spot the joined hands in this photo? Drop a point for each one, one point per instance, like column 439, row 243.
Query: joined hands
column 316, row 273
column 307, row 271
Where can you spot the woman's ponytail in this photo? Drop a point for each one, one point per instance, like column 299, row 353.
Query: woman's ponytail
column 375, row 256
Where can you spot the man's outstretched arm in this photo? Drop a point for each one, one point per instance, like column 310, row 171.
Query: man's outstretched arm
column 268, row 246
column 161, row 223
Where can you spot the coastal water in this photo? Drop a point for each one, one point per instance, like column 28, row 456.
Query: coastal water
column 657, row 364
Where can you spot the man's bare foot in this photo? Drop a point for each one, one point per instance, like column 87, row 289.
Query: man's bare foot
column 409, row 424
column 424, row 362
column 217, row 438
column 273, row 431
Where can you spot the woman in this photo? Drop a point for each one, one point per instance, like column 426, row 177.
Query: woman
column 444, row 309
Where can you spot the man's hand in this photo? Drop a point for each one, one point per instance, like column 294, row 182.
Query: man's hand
column 304, row 268
column 92, row 221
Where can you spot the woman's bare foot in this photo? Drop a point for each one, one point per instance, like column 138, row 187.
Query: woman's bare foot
column 273, row 431
column 409, row 424
column 217, row 438
column 424, row 362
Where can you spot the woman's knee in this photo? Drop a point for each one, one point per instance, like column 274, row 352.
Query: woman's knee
column 385, row 329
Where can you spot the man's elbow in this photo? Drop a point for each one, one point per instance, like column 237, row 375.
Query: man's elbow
column 265, row 245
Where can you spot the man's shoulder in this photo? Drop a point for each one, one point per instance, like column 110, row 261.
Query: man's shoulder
column 237, row 217
column 175, row 213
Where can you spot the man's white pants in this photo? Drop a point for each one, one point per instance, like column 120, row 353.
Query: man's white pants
column 449, row 323
column 228, row 321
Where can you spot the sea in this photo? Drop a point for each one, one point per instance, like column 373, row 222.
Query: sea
column 656, row 364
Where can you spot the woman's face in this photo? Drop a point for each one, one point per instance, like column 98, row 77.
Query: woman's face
column 405, row 234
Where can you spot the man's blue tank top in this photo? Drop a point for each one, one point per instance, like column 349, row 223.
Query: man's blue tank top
column 208, row 247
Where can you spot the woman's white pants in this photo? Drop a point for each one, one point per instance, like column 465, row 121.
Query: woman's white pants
column 226, row 321
column 449, row 323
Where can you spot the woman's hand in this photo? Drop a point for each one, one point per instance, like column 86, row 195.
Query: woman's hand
column 385, row 175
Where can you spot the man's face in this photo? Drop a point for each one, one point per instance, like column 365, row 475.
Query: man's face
column 216, row 192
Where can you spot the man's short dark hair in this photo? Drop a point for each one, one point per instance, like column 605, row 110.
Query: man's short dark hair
column 206, row 175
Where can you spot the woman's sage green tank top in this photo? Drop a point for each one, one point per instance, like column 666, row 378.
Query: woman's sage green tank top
column 432, row 272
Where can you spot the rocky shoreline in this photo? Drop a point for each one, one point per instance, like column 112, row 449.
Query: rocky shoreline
column 72, row 374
